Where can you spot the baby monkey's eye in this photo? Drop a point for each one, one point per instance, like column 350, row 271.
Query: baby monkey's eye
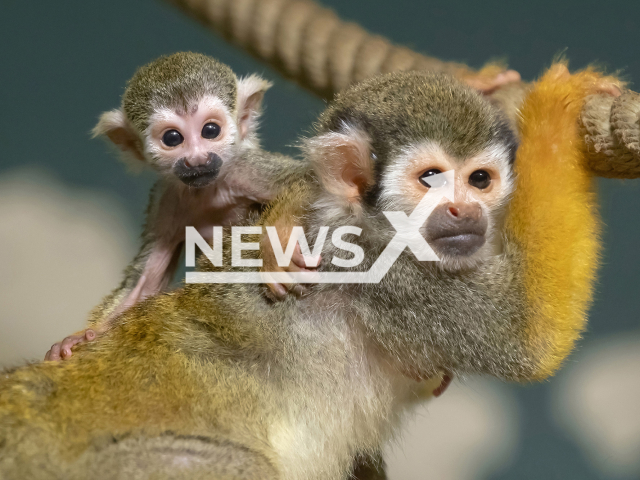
column 172, row 138
column 436, row 182
column 480, row 179
column 210, row 130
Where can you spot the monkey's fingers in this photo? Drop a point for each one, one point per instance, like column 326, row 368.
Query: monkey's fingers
column 280, row 290
column 62, row 350
column 53, row 354
column 490, row 81
column 301, row 289
column 277, row 291
column 446, row 381
column 608, row 86
column 86, row 336
column 305, row 262
column 299, row 263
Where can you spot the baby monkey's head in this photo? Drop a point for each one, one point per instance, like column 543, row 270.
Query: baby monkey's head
column 386, row 142
column 186, row 115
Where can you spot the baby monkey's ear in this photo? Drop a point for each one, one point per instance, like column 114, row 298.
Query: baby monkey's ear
column 343, row 162
column 251, row 91
column 115, row 126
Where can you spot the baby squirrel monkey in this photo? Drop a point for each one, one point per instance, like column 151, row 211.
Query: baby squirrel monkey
column 213, row 381
column 190, row 118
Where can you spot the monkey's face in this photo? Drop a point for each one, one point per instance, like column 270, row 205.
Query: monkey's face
column 462, row 232
column 192, row 144
column 187, row 115
column 384, row 139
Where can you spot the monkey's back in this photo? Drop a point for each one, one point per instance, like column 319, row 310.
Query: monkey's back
column 148, row 391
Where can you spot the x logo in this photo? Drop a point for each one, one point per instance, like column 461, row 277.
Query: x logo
column 408, row 227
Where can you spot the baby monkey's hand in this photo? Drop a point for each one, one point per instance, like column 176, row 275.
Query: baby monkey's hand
column 62, row 350
column 298, row 263
column 490, row 78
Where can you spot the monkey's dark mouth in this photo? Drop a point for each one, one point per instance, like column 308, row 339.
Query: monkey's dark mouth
column 200, row 175
column 458, row 244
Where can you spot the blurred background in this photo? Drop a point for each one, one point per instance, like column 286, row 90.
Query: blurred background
column 70, row 213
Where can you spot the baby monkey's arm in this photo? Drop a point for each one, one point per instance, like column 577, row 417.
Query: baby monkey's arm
column 284, row 214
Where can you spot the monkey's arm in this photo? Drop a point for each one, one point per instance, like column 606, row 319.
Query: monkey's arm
column 284, row 213
column 269, row 176
column 155, row 263
column 553, row 219
column 261, row 176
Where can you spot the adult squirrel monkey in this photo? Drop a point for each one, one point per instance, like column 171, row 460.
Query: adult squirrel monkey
column 214, row 381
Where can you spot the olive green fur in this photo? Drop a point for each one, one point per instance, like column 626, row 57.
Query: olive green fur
column 404, row 108
column 176, row 81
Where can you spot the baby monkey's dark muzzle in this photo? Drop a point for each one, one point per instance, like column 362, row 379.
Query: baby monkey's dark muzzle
column 198, row 175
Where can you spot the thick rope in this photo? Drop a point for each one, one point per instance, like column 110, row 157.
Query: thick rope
column 612, row 135
column 310, row 44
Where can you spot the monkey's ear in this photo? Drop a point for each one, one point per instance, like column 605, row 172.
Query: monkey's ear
column 115, row 127
column 343, row 162
column 251, row 91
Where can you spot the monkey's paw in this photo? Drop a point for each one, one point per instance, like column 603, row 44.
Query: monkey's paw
column 299, row 263
column 62, row 350
column 490, row 78
column 433, row 384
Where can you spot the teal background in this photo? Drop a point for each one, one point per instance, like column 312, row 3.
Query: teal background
column 62, row 63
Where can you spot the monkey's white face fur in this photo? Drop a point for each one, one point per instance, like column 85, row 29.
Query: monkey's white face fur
column 463, row 233
column 194, row 136
column 483, row 185
column 191, row 143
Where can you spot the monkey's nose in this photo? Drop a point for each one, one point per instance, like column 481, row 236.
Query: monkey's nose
column 200, row 174
column 462, row 211
column 199, row 161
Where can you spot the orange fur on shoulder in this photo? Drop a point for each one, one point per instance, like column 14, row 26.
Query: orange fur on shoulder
column 553, row 214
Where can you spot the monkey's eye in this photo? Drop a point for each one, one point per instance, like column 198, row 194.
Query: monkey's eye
column 172, row 138
column 480, row 179
column 436, row 182
column 210, row 130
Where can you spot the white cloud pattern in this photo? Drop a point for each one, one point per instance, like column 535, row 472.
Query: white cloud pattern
column 468, row 433
column 61, row 250
column 597, row 401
